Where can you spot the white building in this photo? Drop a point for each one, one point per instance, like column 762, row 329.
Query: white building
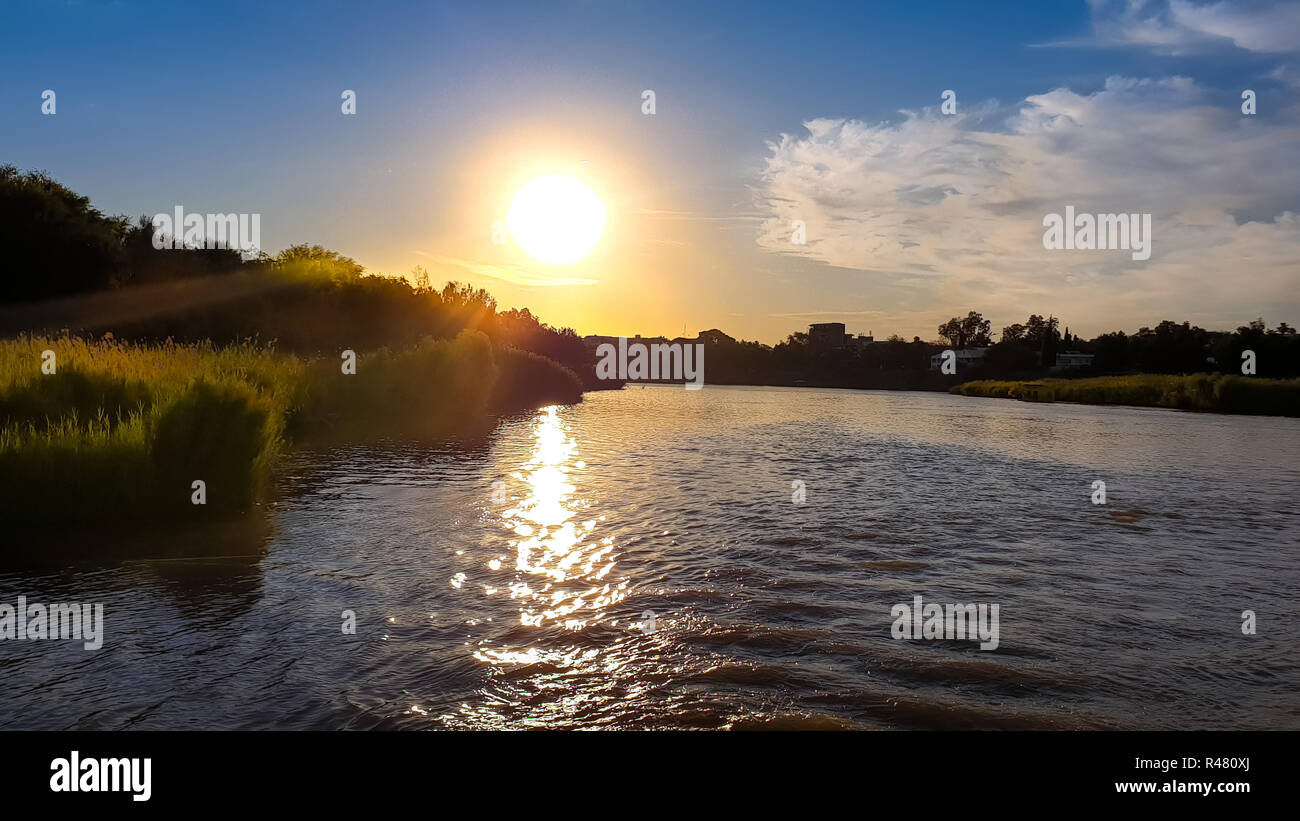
column 1072, row 359
column 965, row 356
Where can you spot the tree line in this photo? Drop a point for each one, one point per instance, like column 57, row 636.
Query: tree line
column 1025, row 350
column 1169, row 347
column 306, row 299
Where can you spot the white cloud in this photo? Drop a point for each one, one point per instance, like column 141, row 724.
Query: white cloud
column 954, row 207
column 514, row 274
column 1180, row 26
column 1287, row 75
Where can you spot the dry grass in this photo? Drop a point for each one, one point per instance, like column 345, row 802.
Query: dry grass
column 1220, row 393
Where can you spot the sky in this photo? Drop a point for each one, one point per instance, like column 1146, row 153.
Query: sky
column 766, row 114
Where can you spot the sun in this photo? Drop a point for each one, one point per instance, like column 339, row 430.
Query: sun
column 556, row 219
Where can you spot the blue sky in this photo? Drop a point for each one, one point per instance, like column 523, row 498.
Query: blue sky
column 234, row 106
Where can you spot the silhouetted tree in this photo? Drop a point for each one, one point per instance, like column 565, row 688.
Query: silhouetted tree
column 1111, row 352
column 55, row 243
column 972, row 331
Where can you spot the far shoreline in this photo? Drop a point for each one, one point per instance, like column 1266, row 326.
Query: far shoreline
column 1191, row 392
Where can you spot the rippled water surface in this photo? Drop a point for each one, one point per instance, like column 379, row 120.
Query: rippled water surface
column 642, row 563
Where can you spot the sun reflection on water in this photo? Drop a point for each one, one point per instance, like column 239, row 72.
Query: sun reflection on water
column 563, row 570
column 562, row 651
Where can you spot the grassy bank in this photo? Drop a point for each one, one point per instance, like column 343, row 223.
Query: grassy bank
column 1218, row 393
column 120, row 432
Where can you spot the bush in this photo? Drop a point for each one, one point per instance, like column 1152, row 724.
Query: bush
column 430, row 389
column 1200, row 392
column 222, row 434
column 527, row 380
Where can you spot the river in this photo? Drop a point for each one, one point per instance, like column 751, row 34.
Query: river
column 661, row 558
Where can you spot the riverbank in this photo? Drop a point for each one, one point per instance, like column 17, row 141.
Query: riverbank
column 103, row 432
column 1215, row 393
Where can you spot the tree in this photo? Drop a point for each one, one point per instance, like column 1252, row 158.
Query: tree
column 316, row 262
column 976, row 330
column 420, row 278
column 951, row 331
column 713, row 336
column 146, row 264
column 55, row 243
column 468, row 298
column 1112, row 352
column 1040, row 332
column 1171, row 348
column 973, row 330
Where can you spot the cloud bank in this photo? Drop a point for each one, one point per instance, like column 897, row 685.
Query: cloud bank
column 1182, row 27
column 954, row 205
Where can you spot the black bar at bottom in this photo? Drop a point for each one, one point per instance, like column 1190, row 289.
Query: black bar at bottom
column 618, row 771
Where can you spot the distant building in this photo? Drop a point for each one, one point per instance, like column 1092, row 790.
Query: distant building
column 965, row 356
column 594, row 341
column 827, row 335
column 1073, row 359
column 714, row 336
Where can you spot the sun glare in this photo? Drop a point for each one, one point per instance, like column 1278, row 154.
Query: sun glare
column 557, row 220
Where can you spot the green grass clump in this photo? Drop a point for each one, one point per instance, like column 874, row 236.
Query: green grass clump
column 430, row 389
column 118, row 433
column 1219, row 393
column 527, row 380
column 75, row 393
column 225, row 434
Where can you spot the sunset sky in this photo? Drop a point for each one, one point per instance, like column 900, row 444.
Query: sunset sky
column 766, row 113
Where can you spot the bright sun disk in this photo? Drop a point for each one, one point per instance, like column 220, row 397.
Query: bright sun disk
column 556, row 219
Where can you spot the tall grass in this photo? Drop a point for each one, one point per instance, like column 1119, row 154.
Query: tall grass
column 120, row 432
column 529, row 380
column 1220, row 393
column 433, row 388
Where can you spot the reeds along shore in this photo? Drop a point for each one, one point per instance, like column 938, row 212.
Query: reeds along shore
column 1219, row 393
column 120, row 432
